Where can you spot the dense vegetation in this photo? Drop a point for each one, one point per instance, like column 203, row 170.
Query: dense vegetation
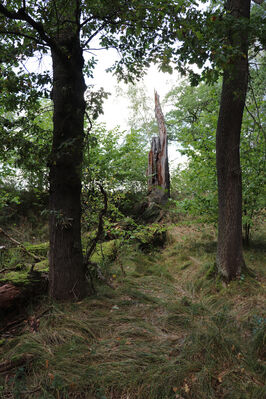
column 161, row 299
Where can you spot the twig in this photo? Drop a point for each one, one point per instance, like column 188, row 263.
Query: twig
column 37, row 258
column 95, row 241
column 44, row 312
column 13, row 324
column 100, row 275
column 122, row 267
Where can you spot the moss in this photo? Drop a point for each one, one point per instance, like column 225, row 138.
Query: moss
column 38, row 249
column 42, row 266
column 14, row 256
column 16, row 278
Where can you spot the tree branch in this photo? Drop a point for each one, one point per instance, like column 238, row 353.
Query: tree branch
column 35, row 257
column 254, row 119
column 9, row 32
column 85, row 22
column 94, row 34
column 21, row 15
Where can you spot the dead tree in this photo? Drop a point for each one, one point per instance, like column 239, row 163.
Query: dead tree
column 158, row 168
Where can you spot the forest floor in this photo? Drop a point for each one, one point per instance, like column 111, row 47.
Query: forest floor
column 170, row 328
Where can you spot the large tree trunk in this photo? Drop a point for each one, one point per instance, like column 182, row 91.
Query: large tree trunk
column 67, row 275
column 229, row 252
column 158, row 168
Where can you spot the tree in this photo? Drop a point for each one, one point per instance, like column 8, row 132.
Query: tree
column 64, row 28
column 116, row 159
column 192, row 122
column 230, row 259
column 66, row 262
column 222, row 36
column 143, row 32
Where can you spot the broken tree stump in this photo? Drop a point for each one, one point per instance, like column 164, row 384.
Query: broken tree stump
column 16, row 295
column 158, row 167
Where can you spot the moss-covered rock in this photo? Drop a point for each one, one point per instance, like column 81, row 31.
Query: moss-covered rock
column 42, row 266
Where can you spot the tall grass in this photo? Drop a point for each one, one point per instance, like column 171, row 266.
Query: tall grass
column 170, row 329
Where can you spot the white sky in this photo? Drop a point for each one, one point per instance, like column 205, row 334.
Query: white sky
column 116, row 111
column 116, row 107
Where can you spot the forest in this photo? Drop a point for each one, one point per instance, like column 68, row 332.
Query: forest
column 125, row 273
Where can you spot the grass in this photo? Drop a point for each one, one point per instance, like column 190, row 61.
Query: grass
column 170, row 329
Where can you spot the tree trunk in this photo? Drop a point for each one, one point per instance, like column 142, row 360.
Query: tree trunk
column 158, row 168
column 67, row 274
column 229, row 252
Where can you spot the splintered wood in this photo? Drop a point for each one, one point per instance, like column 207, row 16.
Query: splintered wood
column 158, row 168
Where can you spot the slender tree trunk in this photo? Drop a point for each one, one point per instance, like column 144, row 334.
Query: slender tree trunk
column 67, row 275
column 230, row 259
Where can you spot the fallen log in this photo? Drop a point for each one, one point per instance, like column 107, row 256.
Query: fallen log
column 12, row 295
column 9, row 293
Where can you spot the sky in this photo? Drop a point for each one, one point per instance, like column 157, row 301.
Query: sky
column 116, row 110
column 116, row 107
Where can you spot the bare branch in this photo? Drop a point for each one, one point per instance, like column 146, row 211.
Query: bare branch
column 85, row 22
column 257, row 108
column 254, row 119
column 94, row 34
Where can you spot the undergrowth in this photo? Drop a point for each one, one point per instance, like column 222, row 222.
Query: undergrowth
column 170, row 329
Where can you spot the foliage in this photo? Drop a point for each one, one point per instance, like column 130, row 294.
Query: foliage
column 26, row 143
column 193, row 123
column 116, row 159
column 118, row 162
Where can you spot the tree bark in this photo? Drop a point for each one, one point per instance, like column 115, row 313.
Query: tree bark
column 67, row 273
column 230, row 259
column 158, row 168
